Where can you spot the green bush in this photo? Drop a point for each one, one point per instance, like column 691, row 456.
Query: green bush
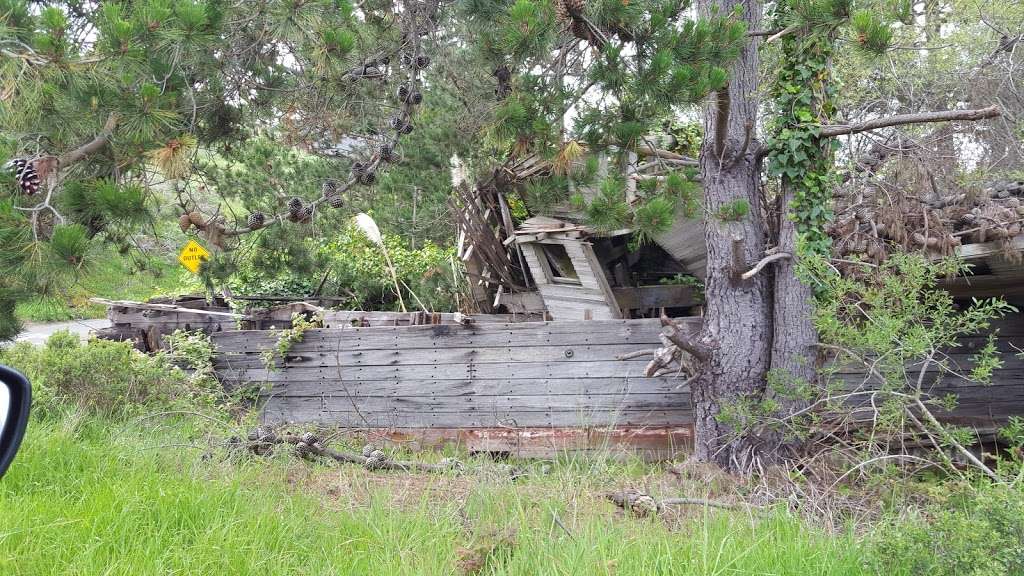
column 356, row 271
column 101, row 376
column 965, row 532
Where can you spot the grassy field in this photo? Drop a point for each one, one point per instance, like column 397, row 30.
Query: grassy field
column 111, row 276
column 90, row 497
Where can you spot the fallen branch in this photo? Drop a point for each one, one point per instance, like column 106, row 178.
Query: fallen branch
column 643, row 505
column 262, row 439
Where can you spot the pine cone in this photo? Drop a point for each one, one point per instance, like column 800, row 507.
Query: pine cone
column 329, row 187
column 403, row 93
column 406, row 128
column 368, row 450
column 407, row 59
column 25, row 175
column 256, row 220
column 386, row 152
column 184, row 222
column 376, row 460
column 415, row 97
column 335, row 201
column 367, row 178
column 310, row 438
column 307, row 214
column 397, row 122
column 295, row 206
column 572, row 8
column 422, row 62
column 197, row 220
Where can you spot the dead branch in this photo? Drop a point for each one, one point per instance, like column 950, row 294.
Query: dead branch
column 831, row 130
column 739, row 259
column 643, row 505
column 648, row 151
column 764, row 262
column 697, row 349
column 262, row 439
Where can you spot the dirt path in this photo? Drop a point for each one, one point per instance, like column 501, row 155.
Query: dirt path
column 37, row 333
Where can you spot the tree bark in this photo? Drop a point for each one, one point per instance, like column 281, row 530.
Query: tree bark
column 737, row 325
column 794, row 350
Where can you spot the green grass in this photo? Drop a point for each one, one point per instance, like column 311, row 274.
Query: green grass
column 111, row 276
column 91, row 497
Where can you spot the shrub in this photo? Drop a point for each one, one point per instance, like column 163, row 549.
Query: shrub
column 356, row 271
column 965, row 532
column 101, row 376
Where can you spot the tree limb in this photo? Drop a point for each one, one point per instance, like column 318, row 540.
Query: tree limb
column 666, row 155
column 696, row 349
column 831, row 130
column 764, row 262
column 93, row 145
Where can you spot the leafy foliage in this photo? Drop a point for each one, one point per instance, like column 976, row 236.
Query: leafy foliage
column 962, row 531
column 99, row 377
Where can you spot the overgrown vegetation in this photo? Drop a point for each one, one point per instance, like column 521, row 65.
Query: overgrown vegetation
column 128, row 468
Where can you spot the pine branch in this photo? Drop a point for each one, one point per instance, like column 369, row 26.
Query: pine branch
column 93, row 146
column 830, row 131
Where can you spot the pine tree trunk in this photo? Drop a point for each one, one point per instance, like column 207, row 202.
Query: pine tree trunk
column 737, row 324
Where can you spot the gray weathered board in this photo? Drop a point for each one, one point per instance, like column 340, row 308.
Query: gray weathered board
column 533, row 374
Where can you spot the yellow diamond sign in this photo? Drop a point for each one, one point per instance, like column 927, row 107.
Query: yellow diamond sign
column 193, row 255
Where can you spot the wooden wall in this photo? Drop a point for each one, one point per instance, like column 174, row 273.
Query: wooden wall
column 536, row 385
column 980, row 406
column 476, row 382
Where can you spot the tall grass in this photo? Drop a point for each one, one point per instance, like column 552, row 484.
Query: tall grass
column 89, row 496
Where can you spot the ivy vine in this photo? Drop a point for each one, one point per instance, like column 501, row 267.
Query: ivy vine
column 805, row 97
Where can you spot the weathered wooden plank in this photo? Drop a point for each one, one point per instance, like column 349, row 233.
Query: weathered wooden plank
column 566, row 310
column 488, row 371
column 532, row 256
column 342, row 412
column 153, row 307
column 655, row 442
column 506, row 387
column 568, row 403
column 1012, row 377
column 602, row 280
column 416, row 356
column 346, row 318
column 961, row 362
column 566, row 291
column 662, row 296
column 445, row 336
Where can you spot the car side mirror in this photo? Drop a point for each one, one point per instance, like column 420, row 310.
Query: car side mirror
column 15, row 399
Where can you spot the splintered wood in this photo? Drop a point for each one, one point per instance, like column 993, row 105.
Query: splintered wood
column 484, row 221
